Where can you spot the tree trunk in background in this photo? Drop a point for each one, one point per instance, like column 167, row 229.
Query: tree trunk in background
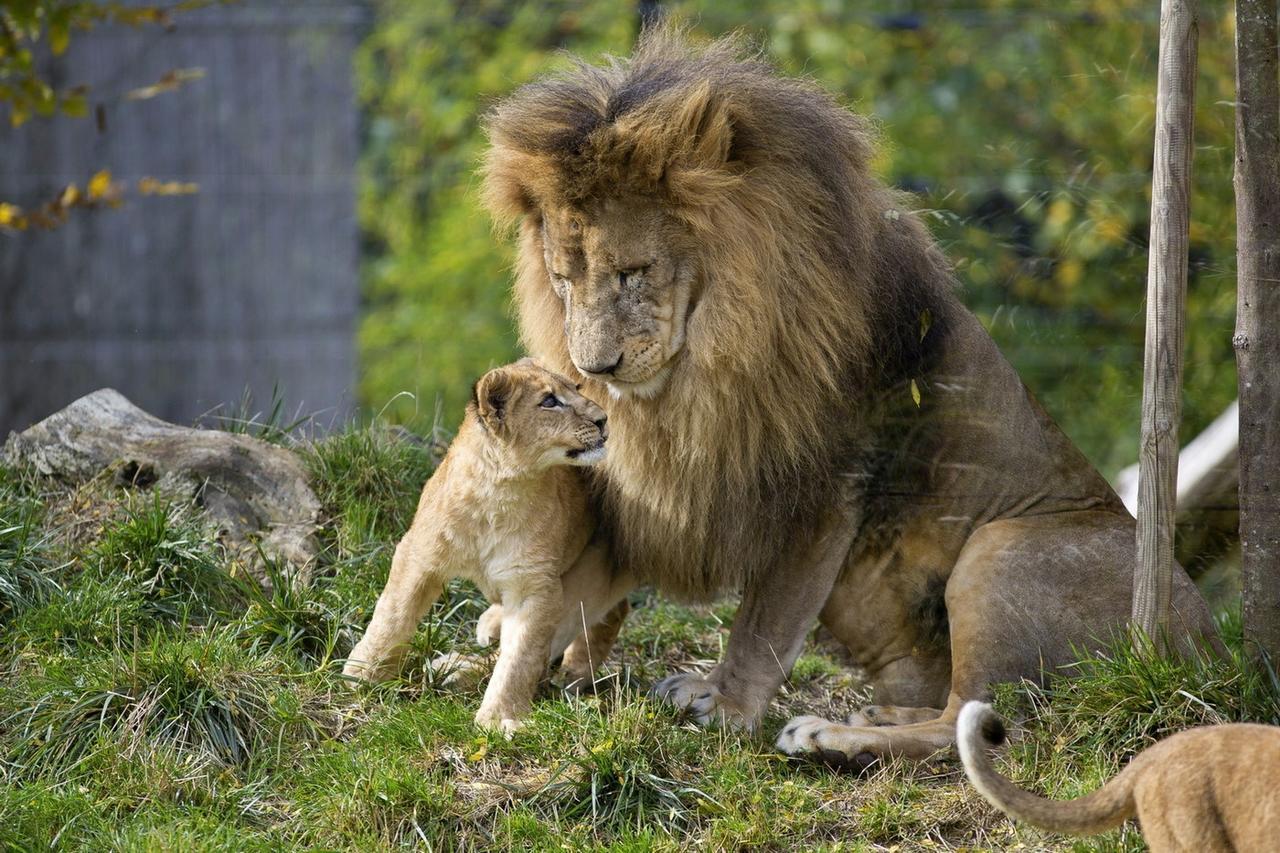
column 1257, row 338
column 1166, row 301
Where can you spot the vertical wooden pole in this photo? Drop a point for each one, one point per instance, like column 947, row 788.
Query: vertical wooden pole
column 1166, row 301
column 1257, row 338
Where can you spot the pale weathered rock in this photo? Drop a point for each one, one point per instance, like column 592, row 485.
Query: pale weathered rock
column 255, row 493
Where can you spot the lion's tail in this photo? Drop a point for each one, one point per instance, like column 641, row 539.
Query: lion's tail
column 978, row 728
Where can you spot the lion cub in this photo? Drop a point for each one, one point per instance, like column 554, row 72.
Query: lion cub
column 504, row 509
column 1214, row 788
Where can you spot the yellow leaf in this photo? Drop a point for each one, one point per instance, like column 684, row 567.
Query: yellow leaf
column 75, row 106
column 69, row 196
column 603, row 746
column 99, row 184
column 9, row 213
column 168, row 82
column 59, row 37
column 915, row 393
column 152, row 186
column 1069, row 272
column 480, row 753
column 926, row 321
column 1060, row 212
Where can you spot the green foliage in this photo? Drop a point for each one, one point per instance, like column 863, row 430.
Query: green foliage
column 1026, row 133
column 437, row 280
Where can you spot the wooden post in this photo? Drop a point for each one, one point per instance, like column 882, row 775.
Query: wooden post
column 1166, row 301
column 1257, row 338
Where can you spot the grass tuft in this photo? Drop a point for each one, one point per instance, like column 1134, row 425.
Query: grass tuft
column 165, row 553
column 629, row 769
column 204, row 699
column 26, row 565
column 368, row 481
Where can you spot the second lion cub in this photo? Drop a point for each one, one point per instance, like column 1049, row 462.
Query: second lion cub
column 505, row 510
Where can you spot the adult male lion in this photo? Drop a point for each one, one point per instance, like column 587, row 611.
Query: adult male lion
column 705, row 239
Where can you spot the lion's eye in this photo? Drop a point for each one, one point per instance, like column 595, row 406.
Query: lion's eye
column 626, row 277
column 551, row 401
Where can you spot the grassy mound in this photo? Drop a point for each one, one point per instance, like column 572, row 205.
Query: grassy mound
column 150, row 697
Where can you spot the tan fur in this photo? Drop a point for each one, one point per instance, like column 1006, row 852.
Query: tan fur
column 506, row 510
column 704, row 239
column 1209, row 789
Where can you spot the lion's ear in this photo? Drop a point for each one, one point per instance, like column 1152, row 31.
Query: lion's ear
column 491, row 396
column 705, row 120
column 703, row 169
column 510, row 181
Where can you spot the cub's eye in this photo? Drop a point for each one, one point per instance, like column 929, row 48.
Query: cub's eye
column 551, row 401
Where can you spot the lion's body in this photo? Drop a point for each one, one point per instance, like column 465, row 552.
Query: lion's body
column 705, row 238
column 1213, row 789
column 506, row 510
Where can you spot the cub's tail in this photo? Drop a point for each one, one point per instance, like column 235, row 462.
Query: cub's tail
column 979, row 728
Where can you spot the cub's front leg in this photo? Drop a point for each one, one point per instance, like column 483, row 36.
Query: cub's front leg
column 530, row 612
column 412, row 587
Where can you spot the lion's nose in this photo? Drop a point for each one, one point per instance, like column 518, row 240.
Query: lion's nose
column 600, row 425
column 601, row 368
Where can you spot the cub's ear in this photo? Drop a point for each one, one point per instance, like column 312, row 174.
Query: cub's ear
column 491, row 395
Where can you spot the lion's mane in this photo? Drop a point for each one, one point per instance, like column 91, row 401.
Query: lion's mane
column 812, row 282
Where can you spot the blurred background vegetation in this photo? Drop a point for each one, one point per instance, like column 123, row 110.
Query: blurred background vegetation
column 1024, row 128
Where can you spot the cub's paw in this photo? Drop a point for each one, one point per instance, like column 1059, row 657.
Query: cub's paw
column 573, row 681
column 489, row 625
column 502, row 720
column 358, row 670
column 831, row 743
column 701, row 700
column 459, row 671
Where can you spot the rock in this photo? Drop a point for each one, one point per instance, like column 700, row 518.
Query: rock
column 256, row 493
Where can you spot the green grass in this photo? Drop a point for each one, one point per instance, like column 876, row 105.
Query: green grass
column 151, row 700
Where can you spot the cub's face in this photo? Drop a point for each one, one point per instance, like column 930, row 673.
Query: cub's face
column 540, row 416
column 620, row 269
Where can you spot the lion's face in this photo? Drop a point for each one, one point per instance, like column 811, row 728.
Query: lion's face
column 624, row 273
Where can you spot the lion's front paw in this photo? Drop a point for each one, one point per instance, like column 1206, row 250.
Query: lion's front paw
column 702, row 701
column 489, row 625
column 822, row 740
